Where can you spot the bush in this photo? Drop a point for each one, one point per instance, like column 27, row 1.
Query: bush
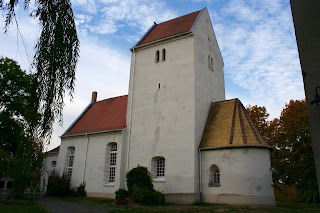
column 81, row 191
column 139, row 177
column 58, row 185
column 140, row 188
column 146, row 196
column 122, row 194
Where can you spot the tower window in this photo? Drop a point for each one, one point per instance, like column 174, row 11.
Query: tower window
column 158, row 167
column 157, row 59
column 163, row 54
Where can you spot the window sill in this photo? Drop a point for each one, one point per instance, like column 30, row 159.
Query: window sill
column 214, row 185
column 159, row 179
column 109, row 184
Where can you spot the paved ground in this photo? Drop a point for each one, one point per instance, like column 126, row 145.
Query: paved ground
column 59, row 206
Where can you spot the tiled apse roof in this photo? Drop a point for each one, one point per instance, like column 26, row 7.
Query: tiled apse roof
column 172, row 27
column 229, row 125
column 108, row 114
column 55, row 150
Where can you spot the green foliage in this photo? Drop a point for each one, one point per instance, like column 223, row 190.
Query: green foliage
column 140, row 187
column 147, row 196
column 81, row 190
column 122, row 194
column 292, row 158
column 21, row 156
column 55, row 59
column 139, row 177
column 58, row 186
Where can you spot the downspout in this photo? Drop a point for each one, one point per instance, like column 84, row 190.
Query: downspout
column 131, row 102
column 200, row 177
column 85, row 163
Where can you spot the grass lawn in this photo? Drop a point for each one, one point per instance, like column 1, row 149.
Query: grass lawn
column 198, row 207
column 30, row 207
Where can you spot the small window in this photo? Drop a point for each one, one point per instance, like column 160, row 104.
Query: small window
column 53, row 163
column 161, row 167
column 163, row 54
column 157, row 56
column 158, row 167
column 211, row 64
column 214, row 176
column 2, row 184
column 9, row 185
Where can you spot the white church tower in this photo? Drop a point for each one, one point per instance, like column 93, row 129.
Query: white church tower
column 176, row 73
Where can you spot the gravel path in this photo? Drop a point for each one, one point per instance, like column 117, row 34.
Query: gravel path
column 59, row 206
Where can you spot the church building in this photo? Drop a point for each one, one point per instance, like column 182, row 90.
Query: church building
column 175, row 121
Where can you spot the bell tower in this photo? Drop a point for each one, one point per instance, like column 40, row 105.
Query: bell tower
column 176, row 73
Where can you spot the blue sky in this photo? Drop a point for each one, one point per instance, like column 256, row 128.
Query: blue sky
column 256, row 39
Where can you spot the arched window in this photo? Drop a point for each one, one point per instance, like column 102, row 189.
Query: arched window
column 211, row 64
column 111, row 162
column 163, row 54
column 214, row 176
column 158, row 167
column 157, row 56
column 53, row 163
column 69, row 161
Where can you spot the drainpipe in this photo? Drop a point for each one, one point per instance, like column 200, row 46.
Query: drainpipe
column 131, row 102
column 200, row 177
column 85, row 163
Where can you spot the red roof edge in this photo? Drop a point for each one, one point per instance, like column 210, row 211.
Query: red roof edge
column 145, row 40
column 53, row 151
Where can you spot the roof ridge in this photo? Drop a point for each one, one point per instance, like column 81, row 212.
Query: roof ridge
column 180, row 16
column 111, row 98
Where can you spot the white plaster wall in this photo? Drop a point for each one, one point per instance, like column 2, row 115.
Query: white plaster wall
column 245, row 176
column 163, row 118
column 80, row 144
column 209, row 84
column 94, row 174
column 48, row 168
column 93, row 171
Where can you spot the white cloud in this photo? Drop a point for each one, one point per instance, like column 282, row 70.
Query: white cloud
column 114, row 15
column 259, row 51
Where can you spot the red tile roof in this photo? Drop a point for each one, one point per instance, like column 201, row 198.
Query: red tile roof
column 108, row 114
column 172, row 27
column 52, row 151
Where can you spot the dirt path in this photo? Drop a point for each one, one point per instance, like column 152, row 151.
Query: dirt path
column 59, row 206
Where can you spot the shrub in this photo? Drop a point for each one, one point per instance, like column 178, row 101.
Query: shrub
column 146, row 196
column 122, row 194
column 81, row 191
column 58, row 185
column 139, row 177
column 140, row 188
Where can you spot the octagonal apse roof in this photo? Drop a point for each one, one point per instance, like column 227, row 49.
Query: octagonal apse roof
column 229, row 126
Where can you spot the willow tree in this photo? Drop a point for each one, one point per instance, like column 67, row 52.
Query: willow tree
column 52, row 75
column 55, row 59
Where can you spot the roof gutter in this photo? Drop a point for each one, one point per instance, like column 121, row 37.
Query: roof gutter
column 90, row 133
